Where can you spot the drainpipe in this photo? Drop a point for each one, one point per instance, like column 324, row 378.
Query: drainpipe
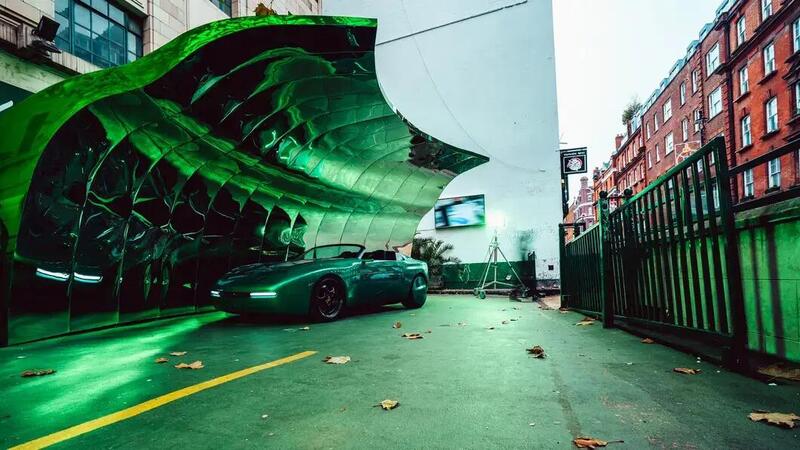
column 731, row 121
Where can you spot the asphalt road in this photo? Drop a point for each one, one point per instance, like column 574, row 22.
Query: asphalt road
column 463, row 385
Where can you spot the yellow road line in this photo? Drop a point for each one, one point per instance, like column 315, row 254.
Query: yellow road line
column 135, row 410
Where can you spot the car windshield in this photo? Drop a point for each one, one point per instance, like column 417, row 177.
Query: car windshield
column 333, row 251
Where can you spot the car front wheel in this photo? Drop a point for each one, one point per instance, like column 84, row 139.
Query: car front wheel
column 418, row 293
column 327, row 299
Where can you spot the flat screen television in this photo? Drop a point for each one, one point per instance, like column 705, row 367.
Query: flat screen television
column 464, row 211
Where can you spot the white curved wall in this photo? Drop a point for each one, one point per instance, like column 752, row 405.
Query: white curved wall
column 480, row 75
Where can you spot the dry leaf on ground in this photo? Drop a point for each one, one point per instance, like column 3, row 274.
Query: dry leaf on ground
column 648, row 341
column 586, row 321
column 686, row 370
column 563, row 309
column 545, row 307
column 194, row 366
column 781, row 371
column 505, row 322
column 161, row 360
column 588, row 442
column 178, row 353
column 537, row 351
column 388, row 404
column 513, row 320
column 785, row 420
column 336, row 359
column 429, row 331
column 397, row 325
column 37, row 373
column 304, row 328
column 490, row 328
column 412, row 336
column 461, row 324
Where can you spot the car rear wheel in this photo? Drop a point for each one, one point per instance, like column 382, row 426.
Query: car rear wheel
column 418, row 293
column 327, row 299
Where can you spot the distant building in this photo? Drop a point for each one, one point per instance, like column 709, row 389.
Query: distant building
column 95, row 34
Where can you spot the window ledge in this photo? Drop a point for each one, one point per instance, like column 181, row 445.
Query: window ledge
column 746, row 147
column 770, row 134
column 768, row 76
column 747, row 197
column 742, row 97
column 772, row 189
column 795, row 119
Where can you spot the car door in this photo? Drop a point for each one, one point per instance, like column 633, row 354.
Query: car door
column 380, row 277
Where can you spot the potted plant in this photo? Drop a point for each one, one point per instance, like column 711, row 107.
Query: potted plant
column 434, row 253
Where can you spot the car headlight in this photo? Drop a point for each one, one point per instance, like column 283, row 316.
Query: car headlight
column 263, row 294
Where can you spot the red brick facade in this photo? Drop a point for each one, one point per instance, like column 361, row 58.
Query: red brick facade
column 726, row 46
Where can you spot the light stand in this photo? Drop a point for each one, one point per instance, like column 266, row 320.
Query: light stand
column 491, row 266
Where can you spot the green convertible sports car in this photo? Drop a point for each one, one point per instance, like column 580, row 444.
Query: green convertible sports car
column 322, row 282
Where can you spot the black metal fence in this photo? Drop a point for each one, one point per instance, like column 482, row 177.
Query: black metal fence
column 668, row 255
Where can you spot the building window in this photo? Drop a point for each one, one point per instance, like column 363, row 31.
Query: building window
column 223, row 5
column 744, row 81
column 769, row 59
column 749, row 188
column 774, row 173
column 741, row 30
column 683, row 93
column 685, row 129
column 695, row 81
column 667, row 110
column 669, row 144
column 766, row 9
column 98, row 32
column 796, row 99
column 649, row 160
column 658, row 154
column 715, row 102
column 796, row 35
column 715, row 193
column 655, row 120
column 698, row 120
column 772, row 114
column 648, row 130
column 747, row 136
column 712, row 59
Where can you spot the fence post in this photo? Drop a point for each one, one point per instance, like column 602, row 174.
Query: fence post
column 732, row 263
column 562, row 254
column 605, row 261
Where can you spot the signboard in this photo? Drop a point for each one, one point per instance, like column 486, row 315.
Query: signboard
column 573, row 161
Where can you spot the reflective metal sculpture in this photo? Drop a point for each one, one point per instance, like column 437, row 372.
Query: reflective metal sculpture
column 125, row 193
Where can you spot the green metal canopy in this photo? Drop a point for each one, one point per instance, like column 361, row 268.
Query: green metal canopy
column 125, row 193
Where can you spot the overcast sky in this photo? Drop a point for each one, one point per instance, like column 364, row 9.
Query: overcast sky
column 607, row 51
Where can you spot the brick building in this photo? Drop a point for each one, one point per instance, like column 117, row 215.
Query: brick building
column 95, row 34
column 741, row 80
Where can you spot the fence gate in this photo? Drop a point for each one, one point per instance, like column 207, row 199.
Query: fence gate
column 667, row 257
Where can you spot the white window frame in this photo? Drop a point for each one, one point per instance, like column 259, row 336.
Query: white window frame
column 748, row 184
column 655, row 121
column 741, row 31
column 771, row 114
column 768, row 54
column 685, row 129
column 669, row 143
column 796, row 36
column 649, row 160
column 766, row 9
column 683, row 93
column 695, row 81
column 697, row 118
column 774, row 173
column 797, row 98
column 658, row 153
column 747, row 132
column 744, row 81
column 648, row 130
column 715, row 102
column 667, row 108
column 712, row 59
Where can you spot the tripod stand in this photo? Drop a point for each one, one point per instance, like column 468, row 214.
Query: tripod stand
column 491, row 266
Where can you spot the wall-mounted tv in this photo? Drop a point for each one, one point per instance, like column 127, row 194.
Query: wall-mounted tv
column 460, row 211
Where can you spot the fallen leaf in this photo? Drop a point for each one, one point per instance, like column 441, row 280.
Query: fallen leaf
column 397, row 325
column 265, row 416
column 388, row 404
column 505, row 322
column 586, row 321
column 194, row 366
column 686, row 371
column 785, row 420
column 37, row 372
column 537, row 351
column 781, row 371
column 177, row 353
column 161, row 360
column 648, row 341
column 304, row 328
column 490, row 328
column 336, row 359
column 429, row 331
column 587, row 442
column 412, row 336
column 563, row 311
column 461, row 324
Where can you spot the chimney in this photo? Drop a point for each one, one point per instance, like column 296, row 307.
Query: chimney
column 618, row 141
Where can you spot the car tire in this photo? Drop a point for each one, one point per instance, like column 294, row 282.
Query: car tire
column 327, row 299
column 417, row 294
